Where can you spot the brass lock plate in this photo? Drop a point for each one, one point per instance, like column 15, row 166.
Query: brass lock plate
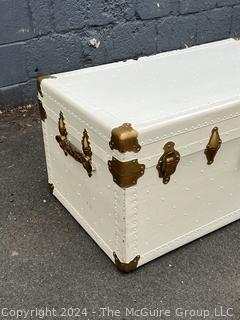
column 168, row 162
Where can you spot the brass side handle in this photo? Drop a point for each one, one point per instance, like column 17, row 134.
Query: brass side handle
column 168, row 162
column 84, row 157
column 213, row 146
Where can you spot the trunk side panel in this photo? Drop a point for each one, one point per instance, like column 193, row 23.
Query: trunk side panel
column 198, row 199
column 96, row 202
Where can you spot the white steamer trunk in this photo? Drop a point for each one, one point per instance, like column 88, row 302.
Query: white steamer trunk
column 177, row 97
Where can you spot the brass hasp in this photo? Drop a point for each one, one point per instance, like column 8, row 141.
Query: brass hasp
column 168, row 162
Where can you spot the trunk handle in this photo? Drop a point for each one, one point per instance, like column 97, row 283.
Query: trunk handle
column 84, row 157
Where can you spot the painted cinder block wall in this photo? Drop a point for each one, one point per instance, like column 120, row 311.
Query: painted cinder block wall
column 48, row 36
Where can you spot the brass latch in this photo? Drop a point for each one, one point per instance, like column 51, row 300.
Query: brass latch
column 168, row 162
column 213, row 146
column 85, row 157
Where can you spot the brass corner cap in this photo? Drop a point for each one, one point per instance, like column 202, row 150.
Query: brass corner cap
column 126, row 267
column 42, row 111
column 51, row 187
column 124, row 139
column 126, row 174
column 39, row 81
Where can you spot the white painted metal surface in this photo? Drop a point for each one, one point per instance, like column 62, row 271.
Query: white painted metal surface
column 178, row 96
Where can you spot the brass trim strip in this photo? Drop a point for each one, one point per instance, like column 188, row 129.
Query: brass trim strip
column 126, row 174
column 124, row 138
column 126, row 267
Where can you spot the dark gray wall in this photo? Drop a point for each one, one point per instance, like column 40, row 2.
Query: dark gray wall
column 49, row 36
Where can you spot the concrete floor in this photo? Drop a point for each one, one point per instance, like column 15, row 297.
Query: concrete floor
column 48, row 261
